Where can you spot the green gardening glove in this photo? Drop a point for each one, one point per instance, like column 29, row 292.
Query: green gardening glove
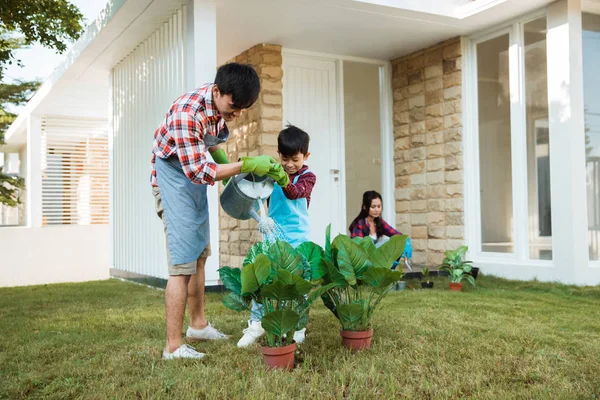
column 220, row 157
column 278, row 174
column 258, row 165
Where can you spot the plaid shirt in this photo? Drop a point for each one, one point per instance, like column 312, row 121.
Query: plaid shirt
column 182, row 132
column 303, row 188
column 363, row 229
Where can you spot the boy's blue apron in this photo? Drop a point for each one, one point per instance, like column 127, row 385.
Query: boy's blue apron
column 185, row 211
column 290, row 215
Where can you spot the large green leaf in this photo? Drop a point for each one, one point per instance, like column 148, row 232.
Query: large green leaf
column 389, row 252
column 328, row 254
column 249, row 282
column 367, row 244
column 280, row 322
column 315, row 294
column 352, row 259
column 279, row 291
column 262, row 269
column 350, row 315
column 381, row 278
column 302, row 286
column 255, row 250
column 313, row 254
column 334, row 275
column 236, row 302
column 231, row 278
column 283, row 255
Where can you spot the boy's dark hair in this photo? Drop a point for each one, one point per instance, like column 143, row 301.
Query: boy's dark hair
column 240, row 81
column 292, row 140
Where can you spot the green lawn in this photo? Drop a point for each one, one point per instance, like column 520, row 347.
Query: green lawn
column 503, row 340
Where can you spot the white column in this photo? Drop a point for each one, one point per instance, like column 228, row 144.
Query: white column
column 567, row 141
column 33, row 178
column 202, row 69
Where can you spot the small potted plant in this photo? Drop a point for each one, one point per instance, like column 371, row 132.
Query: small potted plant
column 272, row 275
column 361, row 276
column 427, row 284
column 457, row 268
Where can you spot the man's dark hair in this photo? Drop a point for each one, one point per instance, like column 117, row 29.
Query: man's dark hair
column 240, row 81
column 292, row 140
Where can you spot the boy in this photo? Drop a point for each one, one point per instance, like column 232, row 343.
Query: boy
column 288, row 206
column 181, row 172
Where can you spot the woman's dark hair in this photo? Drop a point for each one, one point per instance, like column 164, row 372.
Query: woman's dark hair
column 240, row 81
column 368, row 198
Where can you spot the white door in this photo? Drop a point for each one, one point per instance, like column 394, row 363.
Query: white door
column 310, row 101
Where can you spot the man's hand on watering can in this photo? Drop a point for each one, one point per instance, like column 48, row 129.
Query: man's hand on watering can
column 259, row 165
column 278, row 174
column 220, row 157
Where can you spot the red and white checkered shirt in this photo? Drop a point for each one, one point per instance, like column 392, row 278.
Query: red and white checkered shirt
column 191, row 116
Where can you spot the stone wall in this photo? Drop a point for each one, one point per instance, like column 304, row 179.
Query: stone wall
column 253, row 133
column 428, row 149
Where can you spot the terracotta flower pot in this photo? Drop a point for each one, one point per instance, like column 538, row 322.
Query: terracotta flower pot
column 279, row 357
column 357, row 340
column 457, row 287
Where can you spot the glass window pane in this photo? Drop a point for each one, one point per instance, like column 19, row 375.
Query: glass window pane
column 591, row 96
column 494, row 145
column 538, row 150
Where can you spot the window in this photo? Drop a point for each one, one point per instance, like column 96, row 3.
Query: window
column 75, row 185
column 591, row 98
column 495, row 159
column 512, row 132
column 538, row 140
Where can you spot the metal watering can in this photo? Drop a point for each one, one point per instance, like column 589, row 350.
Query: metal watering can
column 240, row 197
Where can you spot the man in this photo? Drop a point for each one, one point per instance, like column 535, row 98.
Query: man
column 181, row 172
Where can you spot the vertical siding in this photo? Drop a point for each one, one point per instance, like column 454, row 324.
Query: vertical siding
column 144, row 85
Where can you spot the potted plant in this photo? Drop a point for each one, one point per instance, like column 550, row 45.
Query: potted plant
column 361, row 276
column 457, row 268
column 274, row 276
column 427, row 284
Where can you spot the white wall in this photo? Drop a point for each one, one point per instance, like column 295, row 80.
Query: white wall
column 35, row 256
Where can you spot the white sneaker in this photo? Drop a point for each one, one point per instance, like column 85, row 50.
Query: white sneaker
column 252, row 333
column 300, row 335
column 208, row 333
column 184, row 351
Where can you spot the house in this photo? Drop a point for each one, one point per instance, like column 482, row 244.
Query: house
column 478, row 121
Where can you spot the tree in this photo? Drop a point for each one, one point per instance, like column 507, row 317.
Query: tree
column 53, row 24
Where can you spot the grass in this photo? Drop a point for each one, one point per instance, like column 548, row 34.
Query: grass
column 502, row 340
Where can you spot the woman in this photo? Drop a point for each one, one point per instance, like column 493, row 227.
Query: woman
column 369, row 223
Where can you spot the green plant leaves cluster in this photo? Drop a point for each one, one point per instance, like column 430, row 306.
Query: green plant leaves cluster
column 283, row 279
column 455, row 266
column 361, row 275
column 351, row 276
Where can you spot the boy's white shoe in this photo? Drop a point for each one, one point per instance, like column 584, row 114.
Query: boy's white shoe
column 252, row 333
column 184, row 351
column 299, row 336
column 208, row 333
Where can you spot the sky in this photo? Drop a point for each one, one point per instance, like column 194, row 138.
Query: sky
column 38, row 61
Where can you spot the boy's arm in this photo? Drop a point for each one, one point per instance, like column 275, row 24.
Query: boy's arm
column 301, row 189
